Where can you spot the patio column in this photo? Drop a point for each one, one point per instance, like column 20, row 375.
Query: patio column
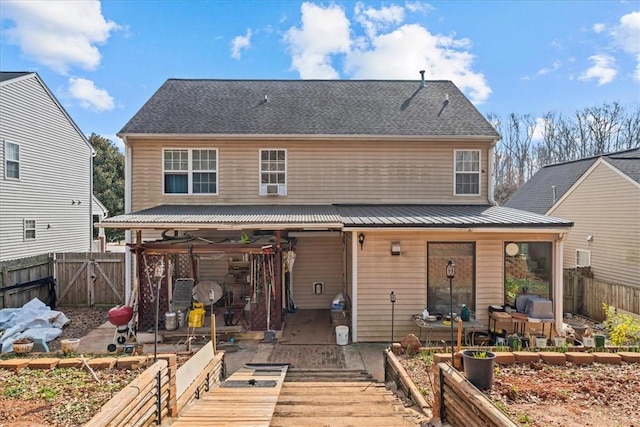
column 558, row 284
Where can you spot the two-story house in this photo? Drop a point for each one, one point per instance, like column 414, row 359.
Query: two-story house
column 46, row 202
column 601, row 195
column 374, row 185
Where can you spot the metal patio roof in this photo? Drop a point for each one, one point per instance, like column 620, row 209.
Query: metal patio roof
column 331, row 216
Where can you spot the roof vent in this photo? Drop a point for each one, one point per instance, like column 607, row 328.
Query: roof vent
column 422, row 74
column 553, row 190
column 266, row 99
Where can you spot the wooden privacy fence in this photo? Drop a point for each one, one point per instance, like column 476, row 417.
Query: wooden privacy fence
column 460, row 404
column 156, row 394
column 585, row 296
column 83, row 279
column 90, row 278
column 23, row 279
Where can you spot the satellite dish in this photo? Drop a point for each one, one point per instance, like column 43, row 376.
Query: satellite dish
column 201, row 291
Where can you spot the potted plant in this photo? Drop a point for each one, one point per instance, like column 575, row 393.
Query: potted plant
column 22, row 345
column 478, row 367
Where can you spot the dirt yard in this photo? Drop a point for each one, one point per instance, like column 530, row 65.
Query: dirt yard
column 541, row 395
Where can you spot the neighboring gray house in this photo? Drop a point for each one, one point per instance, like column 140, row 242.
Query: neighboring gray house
column 601, row 195
column 46, row 202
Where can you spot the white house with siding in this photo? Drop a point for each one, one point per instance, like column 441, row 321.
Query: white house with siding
column 374, row 184
column 46, row 202
column 601, row 195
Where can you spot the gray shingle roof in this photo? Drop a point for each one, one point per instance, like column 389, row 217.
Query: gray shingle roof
column 336, row 216
column 536, row 195
column 309, row 107
column 10, row 75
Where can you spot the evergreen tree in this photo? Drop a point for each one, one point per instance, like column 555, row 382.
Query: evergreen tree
column 108, row 180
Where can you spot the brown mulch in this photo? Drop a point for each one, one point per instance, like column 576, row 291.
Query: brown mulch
column 541, row 395
column 82, row 320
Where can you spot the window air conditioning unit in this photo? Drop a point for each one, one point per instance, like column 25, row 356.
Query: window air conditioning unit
column 272, row 189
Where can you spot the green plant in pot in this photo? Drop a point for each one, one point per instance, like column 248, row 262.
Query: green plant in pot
column 478, row 367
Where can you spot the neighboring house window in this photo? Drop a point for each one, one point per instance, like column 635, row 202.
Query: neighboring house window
column 12, row 160
column 29, row 229
column 273, row 172
column 190, row 171
column 467, row 172
column 527, row 269
column 583, row 258
column 463, row 255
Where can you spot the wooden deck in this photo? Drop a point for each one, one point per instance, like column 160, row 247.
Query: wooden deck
column 246, row 398
column 292, row 398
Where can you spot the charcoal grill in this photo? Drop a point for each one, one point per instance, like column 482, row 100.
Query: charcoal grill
column 122, row 318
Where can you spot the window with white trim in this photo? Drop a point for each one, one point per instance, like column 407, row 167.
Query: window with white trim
column 190, row 171
column 467, row 172
column 583, row 258
column 273, row 172
column 29, row 229
column 12, row 160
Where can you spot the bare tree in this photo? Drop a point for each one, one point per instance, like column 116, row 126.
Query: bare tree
column 590, row 132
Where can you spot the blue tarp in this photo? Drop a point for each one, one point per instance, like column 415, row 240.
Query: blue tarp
column 33, row 320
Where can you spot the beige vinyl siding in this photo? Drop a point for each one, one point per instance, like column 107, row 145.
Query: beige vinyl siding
column 605, row 205
column 379, row 273
column 319, row 171
column 318, row 259
column 54, row 170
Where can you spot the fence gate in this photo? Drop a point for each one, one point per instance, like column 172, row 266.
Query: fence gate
column 90, row 278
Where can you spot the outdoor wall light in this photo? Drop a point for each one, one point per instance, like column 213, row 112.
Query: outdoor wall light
column 590, row 238
column 361, row 240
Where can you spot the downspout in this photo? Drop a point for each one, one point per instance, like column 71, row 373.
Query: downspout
column 93, row 155
column 127, row 209
column 491, row 174
column 354, row 286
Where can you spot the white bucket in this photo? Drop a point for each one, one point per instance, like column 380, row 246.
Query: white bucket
column 342, row 335
column 541, row 342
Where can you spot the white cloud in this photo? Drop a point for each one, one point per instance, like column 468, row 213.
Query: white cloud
column 374, row 20
column 598, row 28
column 58, row 34
column 626, row 35
column 418, row 6
column 388, row 49
column 89, row 96
column 603, row 69
column 554, row 67
column 240, row 43
column 538, row 130
column 324, row 33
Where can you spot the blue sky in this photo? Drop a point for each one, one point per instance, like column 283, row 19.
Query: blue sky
column 103, row 60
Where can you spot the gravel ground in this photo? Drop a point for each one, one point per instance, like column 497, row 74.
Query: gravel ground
column 82, row 320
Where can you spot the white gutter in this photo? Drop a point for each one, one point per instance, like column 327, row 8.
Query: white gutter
column 491, row 174
column 354, row 287
column 307, row 137
column 559, row 229
column 183, row 226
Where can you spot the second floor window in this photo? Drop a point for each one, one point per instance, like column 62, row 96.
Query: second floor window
column 273, row 172
column 12, row 160
column 190, row 171
column 467, row 172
